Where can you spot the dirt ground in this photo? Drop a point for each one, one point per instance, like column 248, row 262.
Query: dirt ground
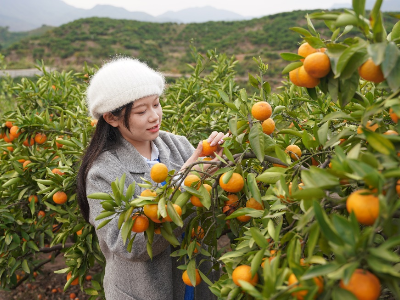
column 49, row 286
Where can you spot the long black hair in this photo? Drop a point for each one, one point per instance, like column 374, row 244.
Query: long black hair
column 104, row 138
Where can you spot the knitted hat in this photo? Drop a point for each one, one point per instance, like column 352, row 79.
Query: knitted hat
column 119, row 82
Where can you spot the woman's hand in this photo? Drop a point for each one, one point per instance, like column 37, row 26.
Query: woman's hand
column 216, row 138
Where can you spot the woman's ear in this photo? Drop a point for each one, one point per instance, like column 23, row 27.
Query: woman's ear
column 111, row 119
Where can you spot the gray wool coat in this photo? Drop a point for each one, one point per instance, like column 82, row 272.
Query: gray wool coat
column 134, row 275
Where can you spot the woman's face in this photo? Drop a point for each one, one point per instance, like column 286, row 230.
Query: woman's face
column 144, row 121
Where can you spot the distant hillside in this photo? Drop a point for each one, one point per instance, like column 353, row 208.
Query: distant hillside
column 7, row 38
column 24, row 15
column 165, row 46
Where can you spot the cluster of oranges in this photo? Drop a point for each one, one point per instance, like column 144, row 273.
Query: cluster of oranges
column 316, row 65
column 262, row 111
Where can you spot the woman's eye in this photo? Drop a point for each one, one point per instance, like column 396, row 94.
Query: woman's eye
column 155, row 105
column 141, row 113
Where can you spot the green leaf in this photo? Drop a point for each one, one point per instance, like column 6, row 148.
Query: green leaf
column 359, row 7
column 325, row 225
column 126, row 230
column 256, row 138
column 161, row 207
column 254, row 82
column 301, row 30
column 320, row 270
column 391, row 57
column 323, row 133
column 224, row 96
column 191, row 271
column 104, row 214
column 393, row 79
column 256, row 261
column 258, row 237
column 32, row 245
column 379, row 142
column 315, row 42
column 91, row 291
column 346, row 19
column 104, row 223
column 169, row 236
column 205, row 278
column 174, row 215
column 270, row 177
column 340, row 294
column 25, row 266
column 291, row 67
column 395, row 34
column 282, row 155
column 252, row 185
column 183, row 199
column 291, row 56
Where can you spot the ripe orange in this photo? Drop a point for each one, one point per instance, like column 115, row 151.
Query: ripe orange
column 294, row 151
column 233, row 200
column 186, row 280
column 369, row 126
column 317, row 65
column 60, row 197
column 141, row 223
column 305, row 50
column 94, row 122
column 273, row 255
column 391, row 132
column 398, row 187
column 72, row 296
column 243, row 218
column 148, row 193
column 393, row 116
column 190, row 179
column 88, row 277
column 178, row 210
column 243, row 272
column 9, row 124
column 41, row 213
column 268, row 126
column 159, row 172
column 57, row 171
column 157, row 230
column 9, row 138
column 301, row 294
column 79, row 232
column 294, row 77
column 151, row 210
column 14, row 131
column 28, row 142
column 261, row 110
column 40, row 138
column 58, row 144
column 252, row 203
column 24, row 165
column 305, row 79
column 199, row 233
column 234, row 185
column 195, row 249
column 33, row 197
column 196, row 201
column 11, row 149
column 365, row 207
column 75, row 281
column 371, row 72
column 363, row 284
column 207, row 149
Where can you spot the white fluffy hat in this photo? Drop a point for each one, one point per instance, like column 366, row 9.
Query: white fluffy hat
column 119, row 82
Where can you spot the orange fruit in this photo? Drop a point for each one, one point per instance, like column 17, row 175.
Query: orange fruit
column 60, row 197
column 157, row 230
column 371, row 72
column 294, row 151
column 305, row 50
column 243, row 218
column 40, row 138
column 252, row 203
column 273, row 255
column 305, row 79
column 94, row 122
column 391, row 132
column 72, row 296
column 41, row 213
column 151, row 211
column 148, row 193
column 159, row 172
column 186, row 280
column 141, row 223
column 369, row 126
column 75, row 281
column 279, row 166
column 14, row 131
column 393, row 116
column 191, row 179
column 28, row 142
column 398, row 187
column 58, row 144
column 268, row 126
column 178, row 210
column 9, row 124
column 57, row 171
column 24, row 165
column 261, row 110
column 199, row 233
column 363, row 284
column 195, row 249
column 88, row 277
column 234, row 185
column 79, row 232
column 365, row 206
column 243, row 272
column 301, row 294
column 294, row 78
column 11, row 149
column 195, row 200
column 8, row 139
column 233, row 200
column 33, row 197
column 317, row 65
column 207, row 149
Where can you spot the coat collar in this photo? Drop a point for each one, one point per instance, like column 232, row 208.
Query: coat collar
column 133, row 161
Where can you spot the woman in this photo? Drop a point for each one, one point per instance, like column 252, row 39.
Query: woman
column 124, row 96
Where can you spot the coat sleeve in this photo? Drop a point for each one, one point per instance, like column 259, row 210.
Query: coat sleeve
column 99, row 180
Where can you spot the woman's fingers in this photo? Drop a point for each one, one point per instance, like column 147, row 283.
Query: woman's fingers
column 216, row 138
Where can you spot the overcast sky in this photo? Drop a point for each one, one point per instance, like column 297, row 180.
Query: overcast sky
column 245, row 8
